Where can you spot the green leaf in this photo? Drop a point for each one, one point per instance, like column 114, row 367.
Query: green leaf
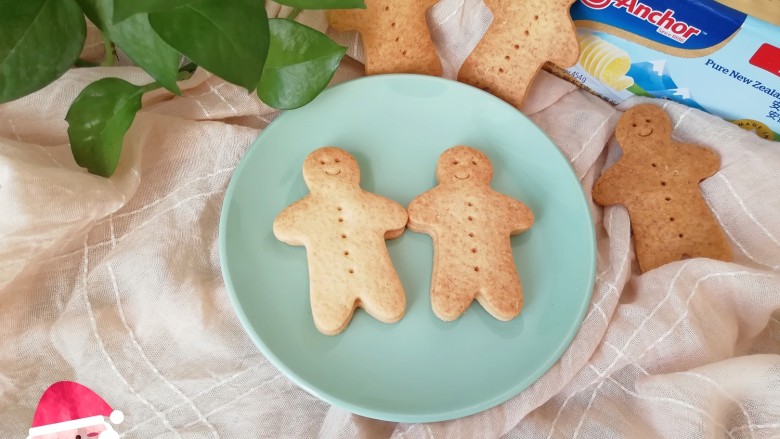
column 324, row 4
column 39, row 41
column 98, row 120
column 123, row 9
column 138, row 40
column 639, row 91
column 90, row 8
column 226, row 37
column 301, row 61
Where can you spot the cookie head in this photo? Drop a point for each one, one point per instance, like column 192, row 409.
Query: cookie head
column 643, row 122
column 330, row 167
column 462, row 164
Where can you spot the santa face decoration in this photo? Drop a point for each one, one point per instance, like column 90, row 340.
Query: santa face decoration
column 88, row 432
column 68, row 410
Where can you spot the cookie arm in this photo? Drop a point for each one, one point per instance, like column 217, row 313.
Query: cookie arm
column 608, row 189
column 706, row 160
column 395, row 214
column 346, row 19
column 565, row 40
column 287, row 224
column 422, row 212
column 521, row 215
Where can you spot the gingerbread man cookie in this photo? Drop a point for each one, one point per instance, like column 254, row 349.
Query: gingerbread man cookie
column 344, row 229
column 522, row 37
column 657, row 179
column 395, row 35
column 470, row 225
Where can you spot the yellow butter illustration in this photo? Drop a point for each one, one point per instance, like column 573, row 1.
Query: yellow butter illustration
column 605, row 62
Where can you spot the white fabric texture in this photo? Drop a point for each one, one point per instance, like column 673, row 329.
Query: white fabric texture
column 115, row 283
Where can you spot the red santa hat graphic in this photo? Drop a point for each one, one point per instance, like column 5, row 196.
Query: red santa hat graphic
column 66, row 406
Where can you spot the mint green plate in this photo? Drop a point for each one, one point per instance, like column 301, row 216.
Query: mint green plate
column 419, row 369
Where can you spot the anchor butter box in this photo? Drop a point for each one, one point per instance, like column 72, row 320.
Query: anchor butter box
column 700, row 53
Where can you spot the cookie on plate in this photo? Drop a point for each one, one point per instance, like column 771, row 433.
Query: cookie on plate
column 470, row 225
column 344, row 229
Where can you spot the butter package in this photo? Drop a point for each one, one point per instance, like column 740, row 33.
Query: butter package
column 700, row 53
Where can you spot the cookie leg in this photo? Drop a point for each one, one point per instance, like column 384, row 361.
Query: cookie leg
column 710, row 243
column 388, row 304
column 450, row 296
column 650, row 255
column 503, row 302
column 507, row 83
column 449, row 305
column 331, row 310
column 719, row 250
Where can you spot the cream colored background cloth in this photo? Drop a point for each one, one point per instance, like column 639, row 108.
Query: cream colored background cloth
column 115, row 283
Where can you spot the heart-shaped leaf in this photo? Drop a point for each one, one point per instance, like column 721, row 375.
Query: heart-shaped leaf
column 98, row 120
column 226, row 37
column 123, row 9
column 324, row 4
column 39, row 41
column 301, row 61
column 138, row 40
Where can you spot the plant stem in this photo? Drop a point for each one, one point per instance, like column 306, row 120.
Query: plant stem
column 151, row 86
column 110, row 58
column 84, row 63
column 155, row 85
column 294, row 13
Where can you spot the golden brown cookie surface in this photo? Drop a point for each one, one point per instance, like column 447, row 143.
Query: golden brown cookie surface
column 344, row 229
column 657, row 179
column 522, row 37
column 395, row 35
column 470, row 225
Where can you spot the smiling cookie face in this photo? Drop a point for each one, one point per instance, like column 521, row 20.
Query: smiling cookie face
column 463, row 164
column 643, row 122
column 329, row 167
